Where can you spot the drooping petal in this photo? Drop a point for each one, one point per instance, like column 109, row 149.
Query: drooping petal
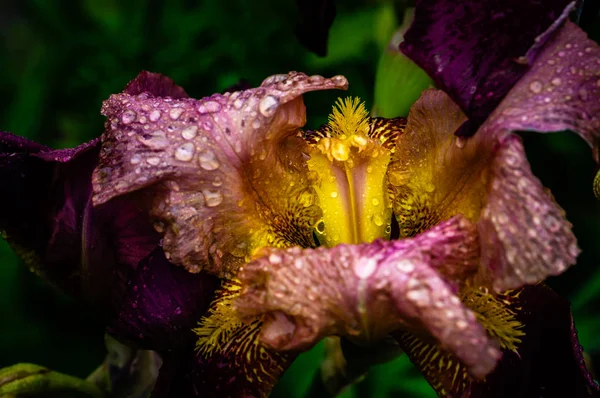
column 48, row 219
column 363, row 292
column 224, row 175
column 549, row 361
column 434, row 176
column 162, row 304
column 471, row 49
column 546, row 361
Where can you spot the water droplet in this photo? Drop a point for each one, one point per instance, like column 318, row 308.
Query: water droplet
column 177, row 310
column 153, row 161
column 135, row 159
column 556, row 81
column 217, row 182
column 405, row 266
column 268, row 106
column 174, row 113
column 213, row 198
column 256, row 124
column 536, row 86
column 237, row 104
column 154, row 115
column 378, row 220
column 128, row 116
column 320, row 227
column 334, row 194
column 339, row 80
column 275, row 258
column 209, row 106
column 155, row 140
column 375, row 201
column 429, row 187
column 185, row 152
column 189, row 133
column 237, row 147
column 460, row 142
column 365, row 267
column 208, row 161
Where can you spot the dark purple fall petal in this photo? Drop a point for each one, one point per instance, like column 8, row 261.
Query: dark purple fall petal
column 224, row 374
column 48, row 219
column 477, row 50
column 217, row 173
column 316, row 17
column 162, row 304
column 363, row 292
column 561, row 91
column 435, row 175
column 549, row 362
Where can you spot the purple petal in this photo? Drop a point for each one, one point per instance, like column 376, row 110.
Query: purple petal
column 221, row 170
column 560, row 92
column 48, row 219
column 156, row 85
column 549, row 361
column 363, row 292
column 162, row 304
column 434, row 176
column 477, row 50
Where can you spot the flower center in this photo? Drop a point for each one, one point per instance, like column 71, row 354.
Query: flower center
column 350, row 162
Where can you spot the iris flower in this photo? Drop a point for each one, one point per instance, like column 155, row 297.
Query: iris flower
column 223, row 216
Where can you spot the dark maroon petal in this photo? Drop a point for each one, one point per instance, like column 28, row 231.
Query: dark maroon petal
column 549, row 362
column 477, row 50
column 156, row 85
column 316, row 17
column 162, row 304
column 46, row 215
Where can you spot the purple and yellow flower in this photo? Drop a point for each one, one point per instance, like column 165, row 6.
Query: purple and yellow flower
column 430, row 228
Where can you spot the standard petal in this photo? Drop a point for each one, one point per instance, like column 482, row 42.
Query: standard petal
column 162, row 304
column 363, row 292
column 156, row 85
column 477, row 50
column 561, row 91
column 48, row 219
column 225, row 174
column 435, row 175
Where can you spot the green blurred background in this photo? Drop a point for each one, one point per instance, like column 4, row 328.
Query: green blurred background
column 60, row 59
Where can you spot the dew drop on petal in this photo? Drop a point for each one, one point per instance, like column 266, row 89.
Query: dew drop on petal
column 185, row 152
column 153, row 161
column 128, row 116
column 268, row 105
column 213, row 198
column 208, row 161
column 536, row 86
column 189, row 133
column 174, row 113
column 154, row 115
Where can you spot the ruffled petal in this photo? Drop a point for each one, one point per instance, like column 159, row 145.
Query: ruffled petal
column 435, row 175
column 225, row 174
column 363, row 292
column 162, row 304
column 48, row 219
column 472, row 52
column 561, row 91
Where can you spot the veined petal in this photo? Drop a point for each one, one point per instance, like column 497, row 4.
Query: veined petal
column 48, row 219
column 435, row 175
column 223, row 175
column 471, row 51
column 365, row 291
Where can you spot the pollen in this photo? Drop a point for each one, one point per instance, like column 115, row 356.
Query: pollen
column 349, row 117
column 495, row 315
